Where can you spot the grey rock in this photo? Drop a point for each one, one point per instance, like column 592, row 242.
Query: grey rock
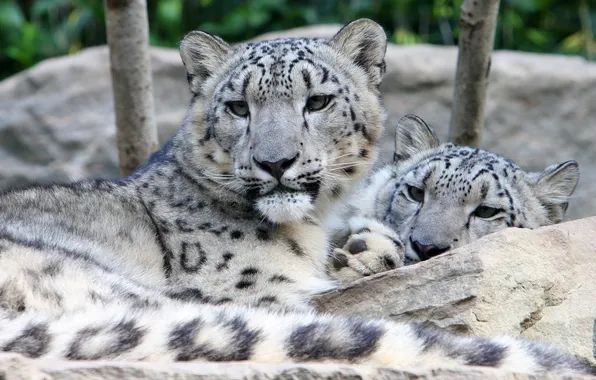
column 57, row 119
column 531, row 283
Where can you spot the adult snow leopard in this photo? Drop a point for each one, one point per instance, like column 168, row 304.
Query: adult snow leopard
column 436, row 197
column 212, row 250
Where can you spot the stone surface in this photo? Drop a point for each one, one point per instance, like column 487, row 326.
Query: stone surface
column 16, row 367
column 57, row 121
column 532, row 283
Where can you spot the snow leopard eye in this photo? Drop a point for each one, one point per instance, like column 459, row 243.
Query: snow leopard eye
column 317, row 102
column 238, row 108
column 485, row 212
column 416, row 194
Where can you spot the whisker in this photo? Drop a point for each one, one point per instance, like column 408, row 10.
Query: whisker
column 343, row 168
column 218, row 176
column 343, row 155
column 347, row 163
column 212, row 174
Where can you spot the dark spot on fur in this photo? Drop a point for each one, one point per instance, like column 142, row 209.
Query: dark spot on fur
column 249, row 271
column 32, row 342
column 183, row 226
column 430, row 337
column 484, row 190
column 322, row 341
column 279, row 278
column 263, row 234
column 485, row 353
column 480, row 172
column 245, row 83
column 266, row 301
column 192, row 257
column 236, row 234
column 325, row 75
column 183, row 339
column 187, row 294
column 226, row 258
column 295, row 247
column 223, row 300
column 244, row 284
column 52, row 270
column 125, row 336
column 306, row 78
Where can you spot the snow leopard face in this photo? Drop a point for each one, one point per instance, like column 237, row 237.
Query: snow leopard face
column 442, row 196
column 288, row 123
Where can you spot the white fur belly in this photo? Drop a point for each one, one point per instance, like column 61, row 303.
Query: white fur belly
column 288, row 269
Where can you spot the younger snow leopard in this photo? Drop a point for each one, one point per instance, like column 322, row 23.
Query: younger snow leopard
column 212, row 251
column 436, row 197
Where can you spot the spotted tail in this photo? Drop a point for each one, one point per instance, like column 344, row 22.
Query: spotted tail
column 189, row 332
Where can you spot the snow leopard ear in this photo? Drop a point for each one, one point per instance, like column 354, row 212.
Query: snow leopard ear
column 364, row 42
column 413, row 135
column 554, row 186
column 202, row 53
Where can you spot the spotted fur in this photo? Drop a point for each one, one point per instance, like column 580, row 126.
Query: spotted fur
column 212, row 251
column 436, row 197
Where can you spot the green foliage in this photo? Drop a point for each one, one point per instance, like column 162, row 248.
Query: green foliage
column 32, row 30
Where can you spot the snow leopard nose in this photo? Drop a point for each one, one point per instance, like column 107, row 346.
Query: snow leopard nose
column 425, row 252
column 277, row 168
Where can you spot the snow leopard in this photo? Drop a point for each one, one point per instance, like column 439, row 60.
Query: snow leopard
column 436, row 197
column 213, row 249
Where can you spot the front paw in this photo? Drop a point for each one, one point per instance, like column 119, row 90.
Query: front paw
column 371, row 248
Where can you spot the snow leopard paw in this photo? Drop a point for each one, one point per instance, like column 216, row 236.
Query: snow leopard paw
column 371, row 248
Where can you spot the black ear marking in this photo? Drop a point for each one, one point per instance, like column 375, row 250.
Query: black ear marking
column 364, row 42
column 554, row 186
column 413, row 135
column 202, row 53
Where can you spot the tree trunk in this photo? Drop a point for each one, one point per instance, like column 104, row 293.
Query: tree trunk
column 478, row 22
column 128, row 39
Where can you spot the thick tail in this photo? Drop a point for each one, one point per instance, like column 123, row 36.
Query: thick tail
column 188, row 332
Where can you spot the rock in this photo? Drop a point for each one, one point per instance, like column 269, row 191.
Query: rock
column 57, row 121
column 16, row 367
column 519, row 282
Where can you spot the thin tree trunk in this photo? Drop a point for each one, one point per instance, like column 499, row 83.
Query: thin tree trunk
column 478, row 22
column 128, row 39
column 586, row 22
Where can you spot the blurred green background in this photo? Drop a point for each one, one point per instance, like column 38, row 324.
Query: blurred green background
column 32, row 30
